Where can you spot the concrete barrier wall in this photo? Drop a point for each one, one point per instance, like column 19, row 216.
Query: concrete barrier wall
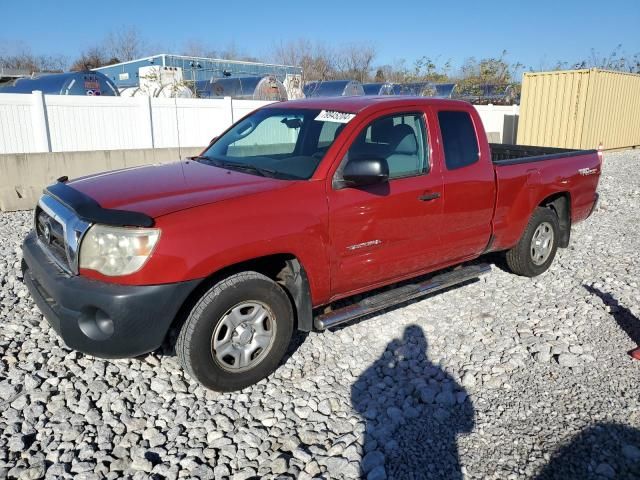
column 24, row 175
column 500, row 122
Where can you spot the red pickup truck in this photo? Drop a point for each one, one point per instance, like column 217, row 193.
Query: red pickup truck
column 294, row 207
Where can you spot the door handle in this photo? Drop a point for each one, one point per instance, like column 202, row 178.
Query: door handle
column 427, row 197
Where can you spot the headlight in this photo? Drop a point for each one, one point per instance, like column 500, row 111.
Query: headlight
column 117, row 251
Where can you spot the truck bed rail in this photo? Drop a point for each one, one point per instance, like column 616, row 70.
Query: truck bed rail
column 505, row 154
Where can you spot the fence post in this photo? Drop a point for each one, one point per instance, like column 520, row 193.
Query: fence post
column 229, row 107
column 147, row 116
column 40, row 122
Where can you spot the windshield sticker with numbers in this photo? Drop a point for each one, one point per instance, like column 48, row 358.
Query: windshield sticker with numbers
column 332, row 116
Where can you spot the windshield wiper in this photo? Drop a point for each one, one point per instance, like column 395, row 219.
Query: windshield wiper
column 213, row 161
column 201, row 158
column 264, row 172
column 246, row 167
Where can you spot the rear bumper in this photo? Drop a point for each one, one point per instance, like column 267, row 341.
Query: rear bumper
column 98, row 318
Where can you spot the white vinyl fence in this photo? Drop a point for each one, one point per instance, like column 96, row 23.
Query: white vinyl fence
column 59, row 123
column 35, row 122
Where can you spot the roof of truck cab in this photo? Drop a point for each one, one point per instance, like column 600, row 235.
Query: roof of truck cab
column 356, row 104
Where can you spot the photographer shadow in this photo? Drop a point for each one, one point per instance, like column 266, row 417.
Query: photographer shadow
column 414, row 412
column 601, row 451
column 625, row 319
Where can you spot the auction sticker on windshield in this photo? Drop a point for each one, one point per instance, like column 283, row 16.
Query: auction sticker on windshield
column 333, row 116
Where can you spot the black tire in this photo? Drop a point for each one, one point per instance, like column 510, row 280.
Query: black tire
column 194, row 345
column 520, row 258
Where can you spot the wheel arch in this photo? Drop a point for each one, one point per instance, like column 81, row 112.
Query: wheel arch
column 560, row 203
column 284, row 268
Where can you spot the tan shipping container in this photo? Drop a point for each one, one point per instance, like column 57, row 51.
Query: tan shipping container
column 580, row 109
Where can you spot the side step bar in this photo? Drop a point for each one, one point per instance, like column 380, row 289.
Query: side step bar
column 398, row 295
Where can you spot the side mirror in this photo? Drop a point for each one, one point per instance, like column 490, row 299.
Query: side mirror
column 365, row 171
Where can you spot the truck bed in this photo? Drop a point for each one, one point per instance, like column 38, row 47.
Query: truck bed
column 505, row 154
column 527, row 175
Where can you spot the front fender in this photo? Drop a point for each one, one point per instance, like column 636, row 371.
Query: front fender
column 197, row 242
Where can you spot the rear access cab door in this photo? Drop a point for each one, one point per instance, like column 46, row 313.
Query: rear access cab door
column 391, row 230
column 469, row 183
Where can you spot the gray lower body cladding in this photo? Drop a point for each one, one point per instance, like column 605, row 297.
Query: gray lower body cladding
column 102, row 319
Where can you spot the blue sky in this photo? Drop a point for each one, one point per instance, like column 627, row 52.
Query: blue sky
column 535, row 33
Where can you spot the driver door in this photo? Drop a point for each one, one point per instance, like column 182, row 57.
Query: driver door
column 390, row 230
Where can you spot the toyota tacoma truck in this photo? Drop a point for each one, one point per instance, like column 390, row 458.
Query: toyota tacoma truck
column 296, row 206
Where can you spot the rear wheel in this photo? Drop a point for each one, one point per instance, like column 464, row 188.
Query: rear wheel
column 237, row 333
column 537, row 248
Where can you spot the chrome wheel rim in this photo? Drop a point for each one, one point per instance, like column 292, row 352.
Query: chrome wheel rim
column 244, row 336
column 542, row 243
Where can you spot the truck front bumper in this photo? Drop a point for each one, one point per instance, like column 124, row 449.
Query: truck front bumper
column 102, row 319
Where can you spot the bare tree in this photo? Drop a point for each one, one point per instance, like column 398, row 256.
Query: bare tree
column 354, row 61
column 396, row 72
column 197, row 48
column 125, row 44
column 291, row 53
column 318, row 62
column 321, row 62
column 117, row 46
column 92, row 58
column 618, row 60
column 20, row 57
column 232, row 51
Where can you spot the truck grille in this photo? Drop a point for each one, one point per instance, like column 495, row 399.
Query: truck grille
column 51, row 234
column 60, row 232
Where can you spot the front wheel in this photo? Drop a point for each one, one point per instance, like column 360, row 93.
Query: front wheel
column 537, row 248
column 237, row 333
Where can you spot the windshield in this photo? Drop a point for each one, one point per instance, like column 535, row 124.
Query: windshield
column 282, row 143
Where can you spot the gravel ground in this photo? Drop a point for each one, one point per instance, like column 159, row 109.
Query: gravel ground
column 504, row 378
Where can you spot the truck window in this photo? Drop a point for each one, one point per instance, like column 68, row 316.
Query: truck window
column 328, row 133
column 458, row 139
column 286, row 143
column 271, row 136
column 399, row 139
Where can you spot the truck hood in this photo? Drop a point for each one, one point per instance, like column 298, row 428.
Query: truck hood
column 161, row 189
